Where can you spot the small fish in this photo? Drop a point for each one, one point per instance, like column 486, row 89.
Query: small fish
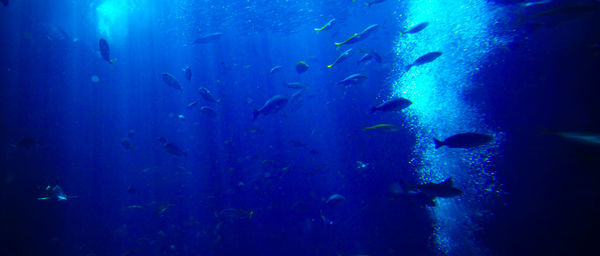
column 171, row 81
column 369, row 55
column 105, row 51
column 301, row 67
column 374, row 2
column 188, row 73
column 532, row 3
column 194, row 103
column 361, row 165
column 181, row 117
column 126, row 144
column 327, row 26
column 135, row 207
column 275, row 69
column 207, row 95
column 335, row 199
column 353, row 79
column 131, row 133
column 392, row 105
column 384, row 127
column 174, row 149
column 208, row 111
column 581, row 137
column 427, row 58
column 27, row 142
column 341, row 58
column 55, row 193
column 273, row 105
column 161, row 210
column 359, row 37
column 464, row 140
column 294, row 85
column 430, row 191
column 208, row 38
column 296, row 101
column 416, row 29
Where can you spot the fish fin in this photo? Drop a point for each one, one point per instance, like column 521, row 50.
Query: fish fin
column 449, row 182
column 256, row 113
column 438, row 143
column 373, row 109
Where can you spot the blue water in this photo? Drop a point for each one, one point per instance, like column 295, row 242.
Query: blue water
column 521, row 75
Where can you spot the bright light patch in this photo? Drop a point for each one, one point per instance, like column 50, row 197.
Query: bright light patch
column 463, row 30
column 113, row 17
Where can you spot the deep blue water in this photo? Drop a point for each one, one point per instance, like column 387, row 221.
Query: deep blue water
column 260, row 187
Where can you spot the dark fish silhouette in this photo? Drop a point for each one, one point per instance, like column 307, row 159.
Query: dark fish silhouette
column 105, row 51
column 208, row 38
column 301, row 67
column 358, row 37
column 464, row 140
column 171, row 81
column 416, row 29
column 353, row 79
column 174, row 149
column 369, row 55
column 207, row 95
column 188, row 73
column 208, row 111
column 392, row 105
column 427, row 58
column 335, row 199
column 273, row 105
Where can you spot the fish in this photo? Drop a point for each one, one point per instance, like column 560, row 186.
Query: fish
column 296, row 100
column 464, row 140
column 372, row 2
column 294, row 85
column 207, row 95
column 369, row 55
column 188, row 73
column 56, row 193
column 341, row 58
column 27, row 142
column 193, row 103
column 532, row 3
column 581, row 137
column 135, row 207
column 174, row 149
column 560, row 14
column 181, row 117
column 208, row 111
column 335, row 199
column 131, row 133
column 427, row 58
column 301, row 67
column 275, row 69
column 327, row 26
column 430, row 191
column 273, row 105
column 353, row 79
column 384, row 127
column 5, row 2
column 105, row 51
column 126, row 144
column 357, row 37
column 233, row 214
column 171, row 81
column 208, row 38
column 416, row 29
column 392, row 105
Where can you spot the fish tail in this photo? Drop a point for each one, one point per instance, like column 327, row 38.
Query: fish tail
column 256, row 113
column 438, row 143
column 407, row 68
column 366, row 128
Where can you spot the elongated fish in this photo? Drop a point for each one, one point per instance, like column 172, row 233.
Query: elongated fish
column 171, row 81
column 188, row 73
column 208, row 111
column 357, row 37
column 208, row 38
column 353, row 79
column 294, row 85
column 416, row 29
column 105, row 51
column 327, row 26
column 392, row 105
column 273, row 105
column 427, row 58
column 384, row 127
column 341, row 58
column 207, row 95
column 174, row 149
column 369, row 55
column 275, row 69
column 464, row 140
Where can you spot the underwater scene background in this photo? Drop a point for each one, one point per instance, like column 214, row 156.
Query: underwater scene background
column 284, row 127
